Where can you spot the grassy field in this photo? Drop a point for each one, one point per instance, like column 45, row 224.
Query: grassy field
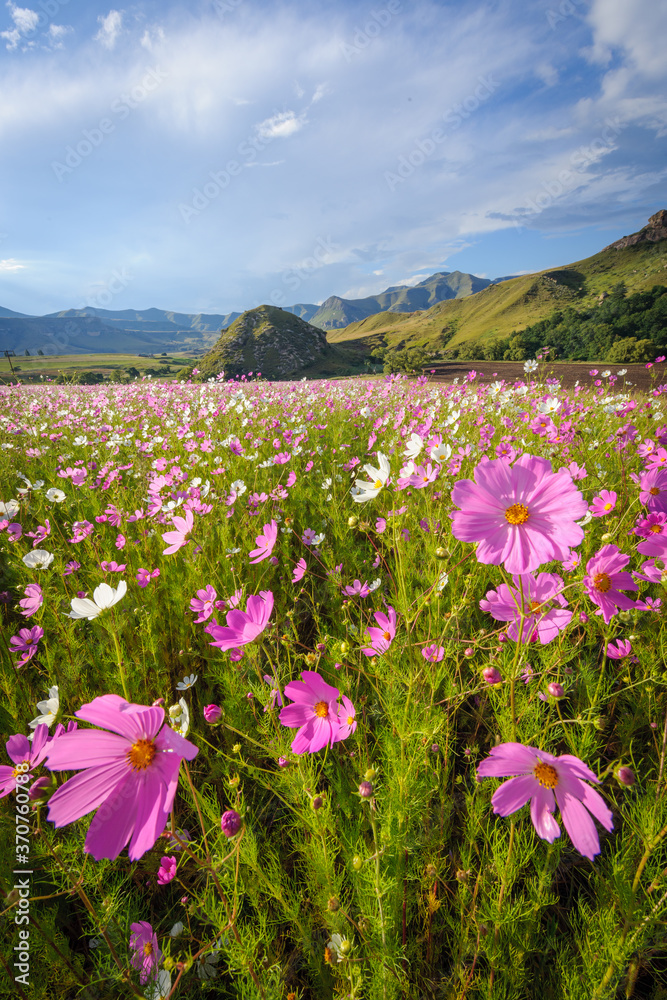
column 54, row 365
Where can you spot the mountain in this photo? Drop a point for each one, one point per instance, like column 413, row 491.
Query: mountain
column 276, row 343
column 336, row 312
column 638, row 261
column 10, row 313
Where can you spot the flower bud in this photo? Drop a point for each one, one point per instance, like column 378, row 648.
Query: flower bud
column 556, row 690
column 352, row 521
column 607, row 537
column 370, row 774
column 317, row 803
column 625, row 776
column 333, row 904
column 175, row 711
column 441, row 553
column 469, row 651
column 212, row 713
column 357, row 863
column 38, row 789
column 491, row 675
column 625, row 617
column 230, row 823
column 365, row 789
column 344, row 648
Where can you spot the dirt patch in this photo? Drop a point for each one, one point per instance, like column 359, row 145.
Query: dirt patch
column 637, row 377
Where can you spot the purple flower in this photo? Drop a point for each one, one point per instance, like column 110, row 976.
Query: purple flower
column 212, row 713
column 622, row 649
column 604, row 581
column 381, row 638
column 167, row 870
column 265, row 543
column 604, row 504
column 147, row 955
column 346, row 720
column 314, row 713
column 521, row 515
column 543, row 603
column 71, row 567
column 433, row 654
column 204, row 603
column 243, row 626
column 357, row 589
column 544, row 781
column 26, row 643
column 26, row 756
column 298, row 571
column 32, row 601
column 129, row 775
column 230, row 823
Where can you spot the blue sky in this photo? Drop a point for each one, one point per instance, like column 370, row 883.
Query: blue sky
column 210, row 157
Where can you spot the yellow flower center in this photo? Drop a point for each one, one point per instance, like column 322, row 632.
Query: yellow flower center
column 656, row 529
column 517, row 514
column 386, row 636
column 350, row 720
column 535, row 605
column 321, row 709
column 141, row 754
column 602, row 582
column 654, row 491
column 378, row 484
column 148, row 949
column 608, row 506
column 546, row 775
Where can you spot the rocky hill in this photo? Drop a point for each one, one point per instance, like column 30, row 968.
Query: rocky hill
column 276, row 343
column 653, row 232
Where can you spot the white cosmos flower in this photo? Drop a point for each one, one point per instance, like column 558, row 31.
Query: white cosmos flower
column 55, row 495
column 549, row 405
column 375, row 584
column 364, row 490
column 104, row 597
column 162, row 987
column 38, row 559
column 10, row 508
column 30, row 486
column 413, row 446
column 441, row 453
column 48, row 708
column 179, row 717
column 187, row 682
column 81, row 440
column 530, row 366
column 622, row 371
column 585, row 519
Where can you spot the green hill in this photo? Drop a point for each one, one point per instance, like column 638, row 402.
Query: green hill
column 502, row 309
column 278, row 344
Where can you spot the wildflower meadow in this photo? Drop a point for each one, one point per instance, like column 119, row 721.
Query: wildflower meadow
column 334, row 689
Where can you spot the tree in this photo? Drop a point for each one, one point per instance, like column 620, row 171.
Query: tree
column 27, row 353
column 40, row 352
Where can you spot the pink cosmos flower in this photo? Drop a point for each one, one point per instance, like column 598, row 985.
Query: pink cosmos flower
column 144, row 576
column 357, row 589
column 346, row 720
column 619, row 651
column 177, row 539
column 604, row 581
column 71, row 567
column 382, row 637
column 433, row 654
column 147, row 955
column 604, row 504
column 121, row 541
column 113, row 567
column 32, row 601
column 26, row 756
column 544, row 781
column 26, row 643
column 521, row 515
column 204, row 603
column 42, row 532
column 315, row 711
column 265, row 543
column 543, row 603
column 299, row 571
column 243, row 626
column 654, row 524
column 129, row 775
column 166, row 871
column 653, row 490
column 276, row 697
column 80, row 530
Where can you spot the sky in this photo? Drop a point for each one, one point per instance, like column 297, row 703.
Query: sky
column 213, row 156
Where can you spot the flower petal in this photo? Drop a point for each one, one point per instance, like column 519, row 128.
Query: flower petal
column 513, row 794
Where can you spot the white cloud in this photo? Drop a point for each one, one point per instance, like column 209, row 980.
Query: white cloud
column 11, row 265
column 637, row 28
column 152, row 39
column 13, row 37
column 56, row 33
column 110, row 29
column 378, row 272
column 26, row 20
column 281, row 125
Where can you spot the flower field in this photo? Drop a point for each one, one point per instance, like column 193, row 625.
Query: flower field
column 347, row 689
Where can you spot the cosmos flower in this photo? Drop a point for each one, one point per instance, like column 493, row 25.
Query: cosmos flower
column 243, row 626
column 104, row 597
column 265, row 543
column 604, row 581
column 38, row 559
column 204, row 603
column 603, row 504
column 544, row 781
column 147, row 955
column 26, row 643
column 364, row 490
column 314, row 713
column 49, row 709
column 129, row 775
column 299, row 571
column 25, row 755
column 177, row 539
column 382, row 637
column 619, row 651
column 521, row 515
column 167, row 870
column 544, row 606
column 32, row 601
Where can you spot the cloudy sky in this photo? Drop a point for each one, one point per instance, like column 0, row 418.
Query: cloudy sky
column 210, row 156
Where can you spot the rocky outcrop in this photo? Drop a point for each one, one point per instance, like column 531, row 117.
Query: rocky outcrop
column 651, row 233
column 269, row 340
